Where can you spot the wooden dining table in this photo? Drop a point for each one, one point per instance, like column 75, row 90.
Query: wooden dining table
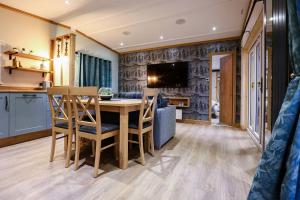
column 122, row 106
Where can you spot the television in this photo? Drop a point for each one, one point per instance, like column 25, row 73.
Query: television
column 167, row 75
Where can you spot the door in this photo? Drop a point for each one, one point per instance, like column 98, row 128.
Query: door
column 4, row 115
column 252, row 89
column 27, row 113
column 255, row 92
column 226, row 90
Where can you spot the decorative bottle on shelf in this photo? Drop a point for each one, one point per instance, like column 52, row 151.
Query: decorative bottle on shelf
column 14, row 62
column 42, row 65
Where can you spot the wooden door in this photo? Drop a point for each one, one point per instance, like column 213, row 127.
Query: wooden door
column 226, row 90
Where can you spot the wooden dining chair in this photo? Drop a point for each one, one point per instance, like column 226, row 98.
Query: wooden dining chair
column 85, row 100
column 61, row 113
column 145, row 123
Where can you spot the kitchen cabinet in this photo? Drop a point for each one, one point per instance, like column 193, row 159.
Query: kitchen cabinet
column 27, row 113
column 4, row 115
column 48, row 114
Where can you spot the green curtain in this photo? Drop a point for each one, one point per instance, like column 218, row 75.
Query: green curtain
column 94, row 71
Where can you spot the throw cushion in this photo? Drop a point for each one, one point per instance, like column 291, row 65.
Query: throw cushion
column 161, row 102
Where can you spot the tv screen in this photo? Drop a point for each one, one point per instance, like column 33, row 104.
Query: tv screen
column 167, row 75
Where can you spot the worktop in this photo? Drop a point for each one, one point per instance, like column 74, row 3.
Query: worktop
column 21, row 91
column 11, row 89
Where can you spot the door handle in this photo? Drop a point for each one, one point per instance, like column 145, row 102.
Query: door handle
column 29, row 95
column 258, row 84
column 6, row 104
column 252, row 85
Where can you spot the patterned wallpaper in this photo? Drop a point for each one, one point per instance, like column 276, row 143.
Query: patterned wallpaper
column 133, row 74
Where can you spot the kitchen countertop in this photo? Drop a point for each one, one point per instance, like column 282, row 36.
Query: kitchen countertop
column 22, row 91
column 8, row 89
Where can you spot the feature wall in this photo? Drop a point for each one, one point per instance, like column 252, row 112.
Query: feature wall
column 133, row 74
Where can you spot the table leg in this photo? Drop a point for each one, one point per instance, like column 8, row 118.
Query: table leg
column 123, row 150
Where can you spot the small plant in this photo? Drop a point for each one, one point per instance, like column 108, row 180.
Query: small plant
column 105, row 91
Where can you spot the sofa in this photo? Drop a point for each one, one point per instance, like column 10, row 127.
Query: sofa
column 164, row 121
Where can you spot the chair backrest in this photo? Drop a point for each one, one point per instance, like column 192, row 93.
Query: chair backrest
column 85, row 100
column 148, row 106
column 60, row 106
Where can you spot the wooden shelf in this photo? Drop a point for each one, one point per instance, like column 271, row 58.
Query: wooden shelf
column 179, row 102
column 10, row 68
column 24, row 55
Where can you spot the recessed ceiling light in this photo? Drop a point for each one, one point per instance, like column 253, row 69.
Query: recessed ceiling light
column 161, row 37
column 180, row 21
column 122, row 44
column 214, row 28
column 126, row 33
column 67, row 2
column 271, row 19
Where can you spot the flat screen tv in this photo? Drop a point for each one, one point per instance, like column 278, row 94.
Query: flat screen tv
column 167, row 75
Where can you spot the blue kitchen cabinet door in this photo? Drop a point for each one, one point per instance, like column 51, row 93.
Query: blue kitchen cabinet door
column 27, row 113
column 4, row 115
column 48, row 114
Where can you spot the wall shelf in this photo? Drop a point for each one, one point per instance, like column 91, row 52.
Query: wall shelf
column 24, row 55
column 10, row 68
column 179, row 102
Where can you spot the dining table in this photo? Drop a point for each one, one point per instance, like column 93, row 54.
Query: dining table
column 124, row 107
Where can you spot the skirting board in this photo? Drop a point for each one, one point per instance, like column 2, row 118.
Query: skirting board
column 24, row 138
column 254, row 140
column 193, row 121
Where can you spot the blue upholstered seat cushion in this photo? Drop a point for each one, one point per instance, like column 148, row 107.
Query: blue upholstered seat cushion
column 105, row 127
column 135, row 125
column 65, row 125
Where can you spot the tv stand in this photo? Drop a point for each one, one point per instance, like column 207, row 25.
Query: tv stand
column 180, row 103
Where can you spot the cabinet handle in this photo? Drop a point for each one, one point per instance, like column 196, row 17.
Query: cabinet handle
column 29, row 95
column 6, row 104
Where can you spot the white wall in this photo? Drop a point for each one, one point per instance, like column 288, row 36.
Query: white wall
column 19, row 30
column 214, row 86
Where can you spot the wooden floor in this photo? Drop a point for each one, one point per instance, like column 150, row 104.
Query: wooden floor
column 201, row 162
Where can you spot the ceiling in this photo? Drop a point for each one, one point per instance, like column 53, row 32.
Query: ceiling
column 139, row 24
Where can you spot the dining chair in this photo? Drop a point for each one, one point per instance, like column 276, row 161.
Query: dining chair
column 144, row 125
column 62, row 122
column 85, row 102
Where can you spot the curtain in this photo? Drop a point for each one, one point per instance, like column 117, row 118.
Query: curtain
column 277, row 176
column 93, row 71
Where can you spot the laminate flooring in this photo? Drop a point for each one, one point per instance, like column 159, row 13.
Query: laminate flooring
column 200, row 162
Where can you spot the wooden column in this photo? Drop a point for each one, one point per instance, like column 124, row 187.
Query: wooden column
column 72, row 59
column 280, row 70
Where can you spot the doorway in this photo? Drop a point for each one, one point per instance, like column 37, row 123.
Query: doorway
column 222, row 89
column 255, row 89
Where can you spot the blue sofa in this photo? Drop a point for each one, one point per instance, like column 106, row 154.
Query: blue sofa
column 164, row 121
